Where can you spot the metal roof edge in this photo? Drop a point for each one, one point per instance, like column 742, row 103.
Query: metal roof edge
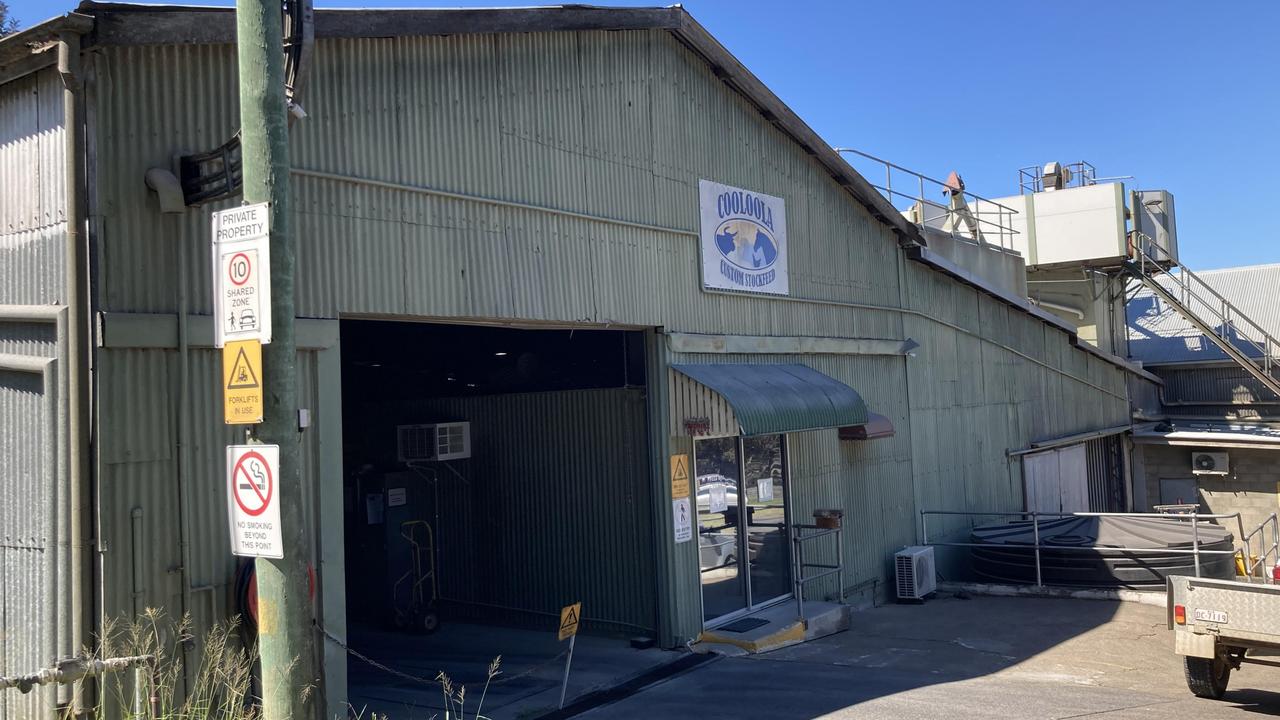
column 29, row 50
column 942, row 264
column 143, row 24
column 734, row 74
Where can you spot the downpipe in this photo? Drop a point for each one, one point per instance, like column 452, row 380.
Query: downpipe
column 83, row 520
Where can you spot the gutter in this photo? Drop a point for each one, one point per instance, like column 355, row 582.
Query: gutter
column 1065, row 440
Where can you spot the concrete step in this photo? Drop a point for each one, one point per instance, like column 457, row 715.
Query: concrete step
column 781, row 629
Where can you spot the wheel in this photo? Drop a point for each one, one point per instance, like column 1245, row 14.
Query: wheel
column 1207, row 678
column 429, row 622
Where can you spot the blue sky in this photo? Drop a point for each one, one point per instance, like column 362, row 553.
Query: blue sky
column 1181, row 95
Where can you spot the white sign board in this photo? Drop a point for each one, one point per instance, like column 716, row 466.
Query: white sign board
column 764, row 489
column 682, row 520
column 743, row 239
column 397, row 497
column 242, row 274
column 717, row 498
column 253, row 500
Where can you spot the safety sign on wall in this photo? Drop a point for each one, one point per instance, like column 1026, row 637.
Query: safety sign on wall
column 253, row 500
column 679, row 476
column 242, row 382
column 242, row 274
column 682, row 519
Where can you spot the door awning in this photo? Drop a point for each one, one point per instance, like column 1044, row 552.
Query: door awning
column 767, row 399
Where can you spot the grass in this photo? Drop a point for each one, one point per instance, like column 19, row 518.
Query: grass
column 221, row 683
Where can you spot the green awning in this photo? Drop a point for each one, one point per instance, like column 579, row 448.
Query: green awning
column 769, row 399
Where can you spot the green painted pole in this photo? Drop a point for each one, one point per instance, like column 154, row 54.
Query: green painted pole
column 285, row 629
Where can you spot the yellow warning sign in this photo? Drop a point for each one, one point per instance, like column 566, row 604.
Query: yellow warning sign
column 242, row 382
column 679, row 476
column 569, row 620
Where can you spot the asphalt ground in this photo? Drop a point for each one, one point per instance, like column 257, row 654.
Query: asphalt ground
column 952, row 658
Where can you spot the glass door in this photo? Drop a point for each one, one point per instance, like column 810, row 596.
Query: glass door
column 764, row 493
column 724, row 589
column 743, row 547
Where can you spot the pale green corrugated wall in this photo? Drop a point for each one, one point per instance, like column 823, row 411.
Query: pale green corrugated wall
column 137, row 468
column 612, row 124
column 619, row 124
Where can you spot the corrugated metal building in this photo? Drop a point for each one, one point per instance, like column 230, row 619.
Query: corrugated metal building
column 1208, row 404
column 453, row 170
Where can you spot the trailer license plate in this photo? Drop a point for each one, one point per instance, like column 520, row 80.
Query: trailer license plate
column 1213, row 616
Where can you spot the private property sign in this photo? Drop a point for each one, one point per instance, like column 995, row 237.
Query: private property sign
column 253, row 500
column 242, row 274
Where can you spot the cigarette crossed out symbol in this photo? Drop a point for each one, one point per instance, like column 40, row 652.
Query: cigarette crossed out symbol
column 252, row 479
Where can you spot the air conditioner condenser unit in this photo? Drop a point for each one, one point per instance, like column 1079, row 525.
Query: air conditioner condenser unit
column 914, row 572
column 1207, row 463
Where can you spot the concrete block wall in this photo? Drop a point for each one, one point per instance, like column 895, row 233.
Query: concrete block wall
column 1252, row 487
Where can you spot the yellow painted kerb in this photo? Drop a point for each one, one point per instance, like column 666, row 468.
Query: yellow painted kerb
column 789, row 635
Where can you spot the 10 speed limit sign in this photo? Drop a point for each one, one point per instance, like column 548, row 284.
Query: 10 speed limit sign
column 253, row 500
column 242, row 274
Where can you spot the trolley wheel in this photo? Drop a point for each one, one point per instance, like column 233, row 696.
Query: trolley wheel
column 429, row 622
column 1207, row 678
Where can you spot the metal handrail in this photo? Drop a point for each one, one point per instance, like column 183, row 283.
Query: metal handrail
column 1252, row 565
column 1230, row 313
column 1035, row 516
column 1224, row 314
column 1002, row 229
column 798, row 538
column 1031, row 177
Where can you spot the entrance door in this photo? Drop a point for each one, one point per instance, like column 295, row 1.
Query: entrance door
column 764, row 492
column 744, row 551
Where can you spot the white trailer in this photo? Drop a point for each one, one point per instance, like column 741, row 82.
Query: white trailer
column 1218, row 625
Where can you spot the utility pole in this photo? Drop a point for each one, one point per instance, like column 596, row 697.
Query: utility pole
column 286, row 636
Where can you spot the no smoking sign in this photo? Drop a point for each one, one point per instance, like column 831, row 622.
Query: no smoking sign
column 253, row 505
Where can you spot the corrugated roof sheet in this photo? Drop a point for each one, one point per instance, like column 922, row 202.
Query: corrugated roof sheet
column 1159, row 334
column 781, row 398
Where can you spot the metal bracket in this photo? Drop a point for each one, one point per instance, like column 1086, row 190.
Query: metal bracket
column 216, row 174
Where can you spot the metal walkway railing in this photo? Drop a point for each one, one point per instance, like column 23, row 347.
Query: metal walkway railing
column 1252, row 563
column 802, row 534
column 1236, row 334
column 966, row 216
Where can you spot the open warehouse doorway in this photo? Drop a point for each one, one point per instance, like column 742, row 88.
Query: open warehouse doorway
column 492, row 475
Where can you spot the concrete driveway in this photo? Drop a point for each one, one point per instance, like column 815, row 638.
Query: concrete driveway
column 952, row 658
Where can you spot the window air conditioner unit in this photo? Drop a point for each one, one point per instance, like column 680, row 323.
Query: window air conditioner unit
column 1206, row 463
column 433, row 443
column 914, row 571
